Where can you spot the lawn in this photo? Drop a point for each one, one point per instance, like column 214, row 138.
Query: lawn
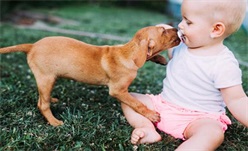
column 93, row 120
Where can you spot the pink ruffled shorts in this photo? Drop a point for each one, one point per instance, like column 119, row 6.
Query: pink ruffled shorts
column 175, row 119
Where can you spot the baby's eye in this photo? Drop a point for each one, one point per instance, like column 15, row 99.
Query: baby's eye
column 185, row 19
column 188, row 22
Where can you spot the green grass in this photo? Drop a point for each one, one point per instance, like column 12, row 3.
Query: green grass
column 109, row 20
column 238, row 43
column 93, row 120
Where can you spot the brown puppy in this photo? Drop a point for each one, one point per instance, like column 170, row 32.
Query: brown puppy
column 114, row 66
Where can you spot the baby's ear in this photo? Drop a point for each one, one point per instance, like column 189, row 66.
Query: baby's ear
column 218, row 30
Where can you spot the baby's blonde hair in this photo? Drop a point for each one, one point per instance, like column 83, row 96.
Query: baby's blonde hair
column 230, row 12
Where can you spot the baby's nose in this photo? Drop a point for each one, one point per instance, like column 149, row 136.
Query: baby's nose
column 180, row 25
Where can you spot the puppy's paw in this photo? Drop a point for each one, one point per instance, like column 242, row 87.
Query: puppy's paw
column 56, row 123
column 154, row 117
column 54, row 100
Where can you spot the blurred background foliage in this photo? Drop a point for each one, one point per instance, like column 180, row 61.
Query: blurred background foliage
column 11, row 5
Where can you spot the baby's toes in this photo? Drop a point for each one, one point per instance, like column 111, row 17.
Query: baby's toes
column 136, row 136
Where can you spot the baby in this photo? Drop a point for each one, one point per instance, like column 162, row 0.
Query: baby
column 202, row 78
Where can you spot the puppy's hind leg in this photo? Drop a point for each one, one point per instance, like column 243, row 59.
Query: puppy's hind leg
column 45, row 84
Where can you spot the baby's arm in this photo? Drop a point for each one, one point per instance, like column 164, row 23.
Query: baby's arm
column 237, row 103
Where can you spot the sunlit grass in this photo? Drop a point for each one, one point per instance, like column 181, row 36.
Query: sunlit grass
column 93, row 120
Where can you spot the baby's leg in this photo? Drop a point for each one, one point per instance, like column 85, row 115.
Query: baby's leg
column 144, row 130
column 203, row 134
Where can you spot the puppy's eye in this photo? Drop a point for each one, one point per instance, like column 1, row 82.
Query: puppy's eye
column 164, row 31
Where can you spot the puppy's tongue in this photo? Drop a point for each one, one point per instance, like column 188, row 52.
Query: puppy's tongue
column 180, row 35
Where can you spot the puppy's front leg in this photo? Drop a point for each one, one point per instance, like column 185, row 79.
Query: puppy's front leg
column 135, row 104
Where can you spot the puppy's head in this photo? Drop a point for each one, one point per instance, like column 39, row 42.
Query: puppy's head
column 157, row 39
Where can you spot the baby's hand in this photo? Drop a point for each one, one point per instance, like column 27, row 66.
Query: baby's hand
column 165, row 26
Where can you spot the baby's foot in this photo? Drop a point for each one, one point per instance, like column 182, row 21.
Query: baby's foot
column 144, row 135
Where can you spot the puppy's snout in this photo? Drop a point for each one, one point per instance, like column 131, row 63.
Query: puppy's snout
column 173, row 32
column 174, row 29
column 174, row 36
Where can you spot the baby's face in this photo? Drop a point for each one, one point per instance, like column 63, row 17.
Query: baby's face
column 196, row 25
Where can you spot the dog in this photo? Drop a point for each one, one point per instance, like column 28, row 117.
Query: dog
column 114, row 66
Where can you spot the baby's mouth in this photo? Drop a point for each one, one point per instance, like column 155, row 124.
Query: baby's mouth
column 180, row 35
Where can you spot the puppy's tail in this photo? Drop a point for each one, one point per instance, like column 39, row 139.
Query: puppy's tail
column 22, row 48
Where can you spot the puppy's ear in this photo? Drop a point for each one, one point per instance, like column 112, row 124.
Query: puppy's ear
column 151, row 46
column 158, row 59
